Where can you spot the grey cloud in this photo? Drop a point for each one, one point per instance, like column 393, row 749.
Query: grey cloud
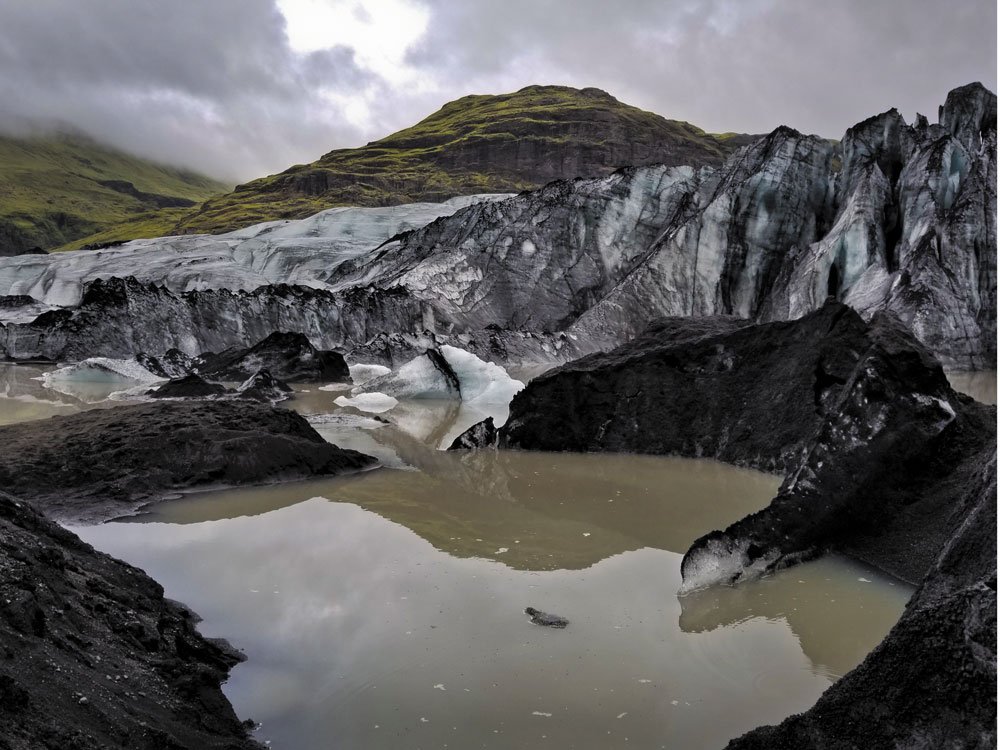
column 746, row 65
column 213, row 84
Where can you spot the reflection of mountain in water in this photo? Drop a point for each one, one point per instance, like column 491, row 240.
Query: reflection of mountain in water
column 547, row 511
column 799, row 596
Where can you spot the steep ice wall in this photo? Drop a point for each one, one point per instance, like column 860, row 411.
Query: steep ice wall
column 894, row 217
column 535, row 261
column 305, row 251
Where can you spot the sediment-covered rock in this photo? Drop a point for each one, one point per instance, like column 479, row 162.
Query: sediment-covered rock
column 710, row 387
column 263, row 387
column 876, row 480
column 106, row 462
column 288, row 356
column 189, row 386
column 932, row 682
column 895, row 217
column 92, row 655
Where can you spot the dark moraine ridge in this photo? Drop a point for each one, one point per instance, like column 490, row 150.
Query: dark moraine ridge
column 92, row 656
column 706, row 387
column 882, row 461
column 107, row 462
column 932, row 682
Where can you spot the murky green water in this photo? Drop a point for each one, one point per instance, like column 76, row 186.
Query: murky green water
column 385, row 610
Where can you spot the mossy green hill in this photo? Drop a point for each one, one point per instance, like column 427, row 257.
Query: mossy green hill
column 59, row 188
column 476, row 144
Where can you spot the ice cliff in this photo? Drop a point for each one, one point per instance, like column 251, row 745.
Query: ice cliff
column 895, row 216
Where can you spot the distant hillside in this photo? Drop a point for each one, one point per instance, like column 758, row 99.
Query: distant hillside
column 475, row 144
column 59, row 188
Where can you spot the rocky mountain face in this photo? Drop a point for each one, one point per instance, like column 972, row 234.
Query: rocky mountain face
column 895, row 217
column 476, row 144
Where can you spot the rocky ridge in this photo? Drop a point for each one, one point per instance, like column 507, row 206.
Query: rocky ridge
column 103, row 463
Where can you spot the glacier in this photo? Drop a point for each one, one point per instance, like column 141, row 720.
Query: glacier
column 895, row 216
column 303, row 251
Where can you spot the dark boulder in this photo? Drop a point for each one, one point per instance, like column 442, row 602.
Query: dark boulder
column 189, row 386
column 545, row 619
column 711, row 387
column 263, row 387
column 895, row 431
column 288, row 356
column 107, row 462
column 172, row 364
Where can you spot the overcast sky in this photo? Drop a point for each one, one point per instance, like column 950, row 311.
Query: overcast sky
column 241, row 88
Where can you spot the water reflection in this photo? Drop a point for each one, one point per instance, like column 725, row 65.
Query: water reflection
column 982, row 386
column 386, row 609
column 544, row 510
column 362, row 634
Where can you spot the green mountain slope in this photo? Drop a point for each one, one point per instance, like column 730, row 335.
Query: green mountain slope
column 475, row 144
column 59, row 188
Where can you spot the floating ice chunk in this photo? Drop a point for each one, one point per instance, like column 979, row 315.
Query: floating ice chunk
column 546, row 714
column 361, row 374
column 420, row 378
column 376, row 403
column 335, row 387
column 480, row 382
column 345, row 420
column 100, row 378
column 448, row 373
column 101, row 370
column 439, row 686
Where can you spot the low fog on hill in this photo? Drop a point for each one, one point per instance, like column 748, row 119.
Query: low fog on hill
column 241, row 88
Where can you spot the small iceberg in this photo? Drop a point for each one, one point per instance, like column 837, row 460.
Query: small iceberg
column 376, row 403
column 101, row 378
column 448, row 373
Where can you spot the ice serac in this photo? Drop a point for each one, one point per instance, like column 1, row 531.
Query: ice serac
column 447, row 373
column 304, row 251
column 894, row 217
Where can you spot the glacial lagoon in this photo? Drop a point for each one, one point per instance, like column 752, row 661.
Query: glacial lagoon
column 386, row 609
